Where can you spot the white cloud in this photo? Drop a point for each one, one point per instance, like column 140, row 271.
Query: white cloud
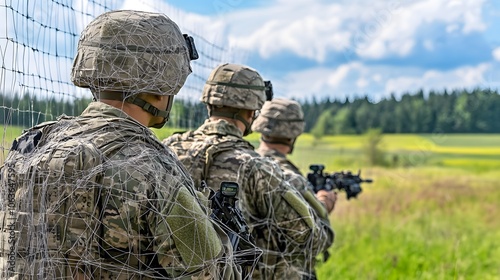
column 301, row 84
column 362, row 83
column 463, row 77
column 346, row 80
column 371, row 29
column 309, row 31
column 429, row 45
column 337, row 76
column 396, row 34
column 354, row 79
column 496, row 54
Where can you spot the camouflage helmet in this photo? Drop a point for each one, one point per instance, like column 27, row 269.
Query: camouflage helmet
column 280, row 118
column 236, row 86
column 132, row 52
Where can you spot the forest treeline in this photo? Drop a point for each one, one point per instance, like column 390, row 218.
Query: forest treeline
column 458, row 111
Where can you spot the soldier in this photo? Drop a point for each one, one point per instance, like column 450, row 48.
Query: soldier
column 98, row 196
column 282, row 223
column 280, row 122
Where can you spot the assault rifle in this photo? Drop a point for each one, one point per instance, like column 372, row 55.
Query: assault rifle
column 225, row 211
column 350, row 183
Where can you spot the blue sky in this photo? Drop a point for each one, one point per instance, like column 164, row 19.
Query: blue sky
column 339, row 49
column 216, row 7
column 334, row 49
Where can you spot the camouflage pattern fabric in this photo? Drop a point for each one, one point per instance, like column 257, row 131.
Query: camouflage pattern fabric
column 235, row 86
column 99, row 197
column 280, row 118
column 128, row 51
column 282, row 223
column 299, row 182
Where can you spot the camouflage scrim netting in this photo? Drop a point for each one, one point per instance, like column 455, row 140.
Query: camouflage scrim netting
column 280, row 118
column 235, row 86
column 132, row 52
column 97, row 196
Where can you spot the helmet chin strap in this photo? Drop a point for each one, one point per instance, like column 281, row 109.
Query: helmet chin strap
column 292, row 145
column 146, row 106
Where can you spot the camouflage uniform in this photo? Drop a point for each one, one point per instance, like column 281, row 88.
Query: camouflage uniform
column 132, row 211
column 282, row 223
column 284, row 119
column 99, row 197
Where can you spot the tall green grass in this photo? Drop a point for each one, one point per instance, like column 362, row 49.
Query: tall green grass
column 166, row 132
column 419, row 223
column 403, row 150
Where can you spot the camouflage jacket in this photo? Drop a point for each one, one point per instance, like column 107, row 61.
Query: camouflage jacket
column 282, row 223
column 99, row 197
column 298, row 181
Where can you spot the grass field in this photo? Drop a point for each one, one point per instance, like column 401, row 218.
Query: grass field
column 471, row 152
column 418, row 223
column 433, row 214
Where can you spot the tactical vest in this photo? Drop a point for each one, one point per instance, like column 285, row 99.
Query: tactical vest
column 199, row 159
column 65, row 206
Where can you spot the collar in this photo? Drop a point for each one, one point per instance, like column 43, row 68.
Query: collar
column 103, row 111
column 221, row 127
column 267, row 152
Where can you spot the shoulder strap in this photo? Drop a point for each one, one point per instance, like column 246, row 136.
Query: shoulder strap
column 211, row 151
column 285, row 161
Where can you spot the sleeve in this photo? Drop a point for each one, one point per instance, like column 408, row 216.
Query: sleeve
column 169, row 140
column 172, row 139
column 324, row 236
column 291, row 223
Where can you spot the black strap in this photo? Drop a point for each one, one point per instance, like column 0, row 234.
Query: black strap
column 120, row 96
column 234, row 116
column 148, row 107
column 256, row 87
column 134, row 48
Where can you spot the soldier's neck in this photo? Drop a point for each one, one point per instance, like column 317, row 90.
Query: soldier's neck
column 132, row 110
column 235, row 122
column 281, row 148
